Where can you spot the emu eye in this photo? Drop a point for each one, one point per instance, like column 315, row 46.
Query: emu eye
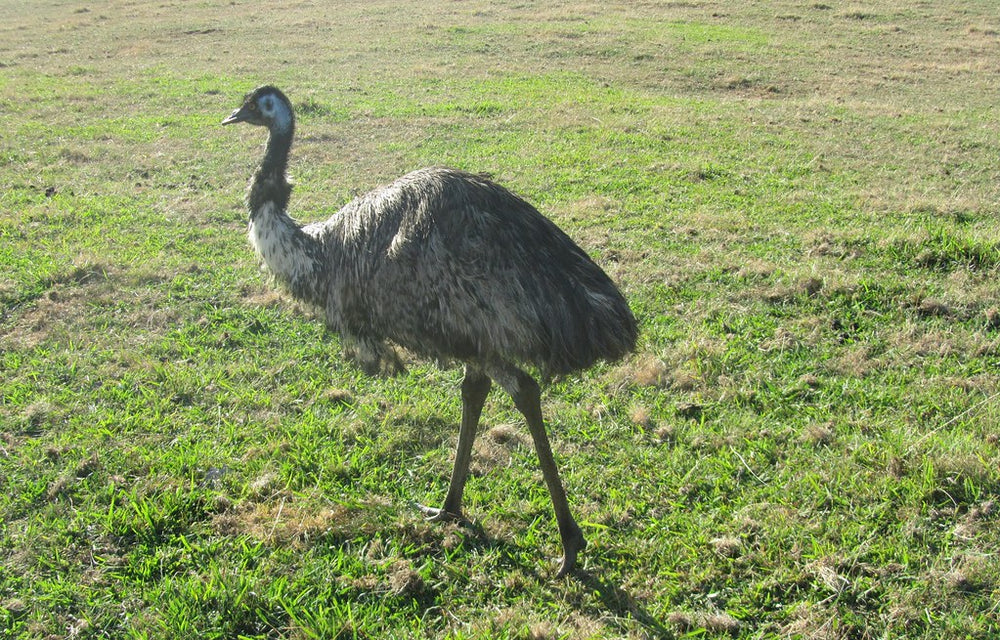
column 252, row 106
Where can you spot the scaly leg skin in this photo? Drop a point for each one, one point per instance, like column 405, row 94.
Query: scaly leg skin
column 475, row 387
column 527, row 397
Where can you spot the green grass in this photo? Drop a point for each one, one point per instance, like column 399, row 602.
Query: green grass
column 798, row 199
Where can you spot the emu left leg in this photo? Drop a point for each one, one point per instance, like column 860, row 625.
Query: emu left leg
column 475, row 387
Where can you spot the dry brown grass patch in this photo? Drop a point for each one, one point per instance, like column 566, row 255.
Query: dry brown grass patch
column 495, row 448
column 649, row 371
column 286, row 522
column 404, row 580
column 854, row 361
column 819, row 435
column 712, row 622
column 727, row 546
column 641, row 416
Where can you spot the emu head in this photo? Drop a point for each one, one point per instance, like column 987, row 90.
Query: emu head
column 265, row 106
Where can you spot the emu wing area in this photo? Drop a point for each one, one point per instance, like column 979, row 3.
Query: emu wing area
column 452, row 266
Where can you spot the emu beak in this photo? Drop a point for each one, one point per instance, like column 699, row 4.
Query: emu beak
column 238, row 115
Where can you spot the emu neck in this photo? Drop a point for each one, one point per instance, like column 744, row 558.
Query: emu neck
column 270, row 182
column 292, row 256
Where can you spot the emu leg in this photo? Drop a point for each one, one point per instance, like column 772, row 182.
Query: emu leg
column 475, row 387
column 527, row 398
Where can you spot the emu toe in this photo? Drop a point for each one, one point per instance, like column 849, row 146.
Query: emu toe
column 571, row 547
column 432, row 514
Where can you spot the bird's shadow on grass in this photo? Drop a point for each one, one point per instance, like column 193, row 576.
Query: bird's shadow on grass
column 612, row 599
column 619, row 602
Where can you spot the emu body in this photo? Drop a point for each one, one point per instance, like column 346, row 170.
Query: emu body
column 450, row 266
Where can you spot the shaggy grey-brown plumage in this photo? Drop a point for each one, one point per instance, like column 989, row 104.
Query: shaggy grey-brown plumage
column 450, row 266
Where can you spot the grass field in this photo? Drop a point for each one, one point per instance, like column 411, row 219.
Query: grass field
column 799, row 200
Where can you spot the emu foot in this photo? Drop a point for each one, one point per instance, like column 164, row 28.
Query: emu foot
column 441, row 515
column 573, row 544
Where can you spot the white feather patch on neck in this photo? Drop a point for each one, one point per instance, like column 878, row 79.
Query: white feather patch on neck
column 274, row 237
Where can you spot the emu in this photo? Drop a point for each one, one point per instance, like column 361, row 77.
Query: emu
column 449, row 266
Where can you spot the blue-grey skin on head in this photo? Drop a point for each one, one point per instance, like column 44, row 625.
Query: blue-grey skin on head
column 450, row 266
column 260, row 107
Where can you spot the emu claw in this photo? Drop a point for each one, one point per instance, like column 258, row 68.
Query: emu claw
column 432, row 514
column 567, row 565
column 571, row 547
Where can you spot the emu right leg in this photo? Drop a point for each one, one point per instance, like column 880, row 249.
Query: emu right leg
column 475, row 387
column 527, row 398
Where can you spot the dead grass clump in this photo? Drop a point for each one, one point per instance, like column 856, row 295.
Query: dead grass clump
column 682, row 620
column 810, row 381
column 589, row 207
column 87, row 466
column 897, row 467
column 984, row 31
column 66, row 305
column 338, row 397
column 64, row 484
column 266, row 485
column 496, row 449
column 957, row 580
column 835, row 246
column 818, row 435
column 287, row 522
column 858, row 15
column 727, row 546
column 920, row 341
column 783, row 340
column 506, row 434
column 690, row 410
column 954, row 467
column 722, row 623
column 38, row 414
column 929, row 308
column 778, row 294
column 220, row 504
column 856, row 361
column 755, row 269
column 715, row 622
column 404, row 580
column 967, row 573
column 666, row 433
column 987, row 509
column 992, row 317
column 683, row 379
column 541, row 631
column 812, row 621
column 268, row 298
column 60, row 487
column 810, row 286
column 640, row 416
column 516, row 622
column 650, row 371
column 750, row 86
